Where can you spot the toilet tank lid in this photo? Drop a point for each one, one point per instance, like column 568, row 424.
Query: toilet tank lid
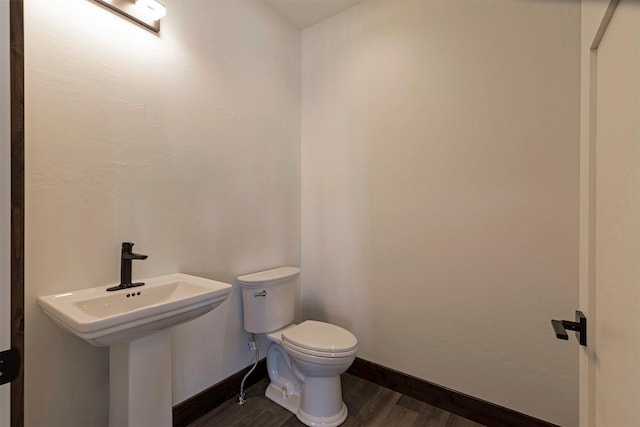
column 268, row 276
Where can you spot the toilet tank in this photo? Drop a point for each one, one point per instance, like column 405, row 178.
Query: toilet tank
column 269, row 299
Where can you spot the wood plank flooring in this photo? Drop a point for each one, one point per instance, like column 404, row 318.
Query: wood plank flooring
column 369, row 405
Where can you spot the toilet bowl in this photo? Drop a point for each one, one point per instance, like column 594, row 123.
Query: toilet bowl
column 304, row 361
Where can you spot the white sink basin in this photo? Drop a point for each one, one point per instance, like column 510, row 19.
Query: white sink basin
column 105, row 318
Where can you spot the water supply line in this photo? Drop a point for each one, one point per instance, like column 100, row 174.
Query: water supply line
column 252, row 346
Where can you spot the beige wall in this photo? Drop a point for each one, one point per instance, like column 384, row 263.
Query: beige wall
column 440, row 172
column 186, row 143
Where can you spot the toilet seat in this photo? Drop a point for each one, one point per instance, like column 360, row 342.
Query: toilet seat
column 318, row 360
column 320, row 339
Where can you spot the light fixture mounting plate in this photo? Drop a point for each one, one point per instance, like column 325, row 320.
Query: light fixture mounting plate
column 128, row 9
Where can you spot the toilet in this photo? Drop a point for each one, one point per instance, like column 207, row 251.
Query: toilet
column 304, row 360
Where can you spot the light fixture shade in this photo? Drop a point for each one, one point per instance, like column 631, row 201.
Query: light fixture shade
column 151, row 8
column 144, row 12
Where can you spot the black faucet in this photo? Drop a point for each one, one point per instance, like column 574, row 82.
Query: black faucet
column 125, row 268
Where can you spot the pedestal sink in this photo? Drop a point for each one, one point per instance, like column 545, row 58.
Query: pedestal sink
column 135, row 324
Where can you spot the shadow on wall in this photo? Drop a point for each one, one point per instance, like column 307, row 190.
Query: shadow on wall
column 314, row 309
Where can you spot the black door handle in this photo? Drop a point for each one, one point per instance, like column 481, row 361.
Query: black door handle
column 580, row 326
column 9, row 365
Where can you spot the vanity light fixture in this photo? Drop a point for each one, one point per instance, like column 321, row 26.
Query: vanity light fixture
column 153, row 9
column 143, row 12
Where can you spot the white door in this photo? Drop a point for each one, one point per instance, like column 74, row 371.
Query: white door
column 610, row 382
column 5, row 197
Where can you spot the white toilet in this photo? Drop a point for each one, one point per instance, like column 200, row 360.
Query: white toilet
column 304, row 361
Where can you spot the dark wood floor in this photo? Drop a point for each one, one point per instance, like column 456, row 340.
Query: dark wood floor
column 368, row 404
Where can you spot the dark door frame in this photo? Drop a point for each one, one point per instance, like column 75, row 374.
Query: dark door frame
column 16, row 39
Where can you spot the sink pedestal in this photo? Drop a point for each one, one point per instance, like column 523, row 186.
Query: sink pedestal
column 140, row 382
